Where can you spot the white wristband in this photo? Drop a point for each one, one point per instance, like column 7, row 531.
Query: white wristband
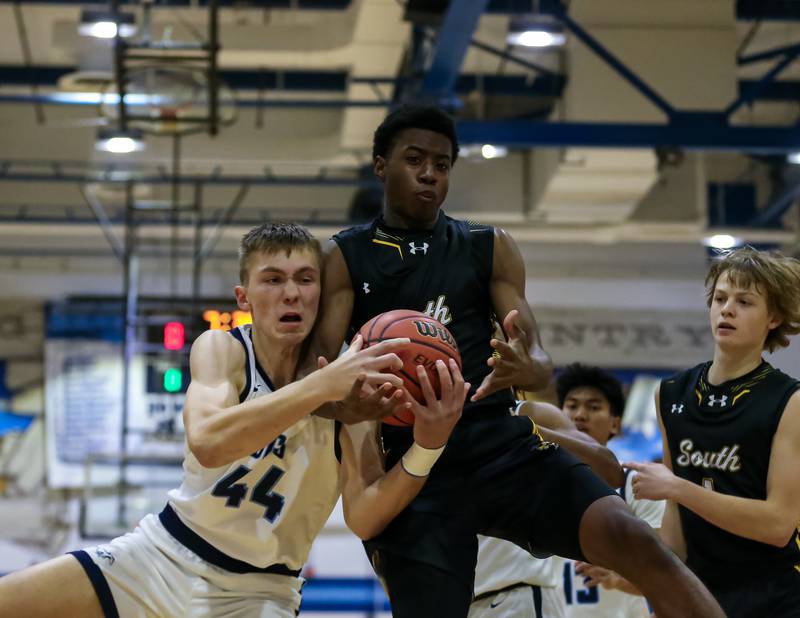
column 418, row 460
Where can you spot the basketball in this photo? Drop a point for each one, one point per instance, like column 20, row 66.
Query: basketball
column 430, row 341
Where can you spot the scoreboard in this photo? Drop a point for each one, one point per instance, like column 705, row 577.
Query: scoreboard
column 85, row 378
column 168, row 366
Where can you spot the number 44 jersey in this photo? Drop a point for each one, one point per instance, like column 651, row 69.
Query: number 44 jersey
column 263, row 511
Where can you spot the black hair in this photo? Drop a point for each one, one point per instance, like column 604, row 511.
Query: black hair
column 577, row 375
column 427, row 117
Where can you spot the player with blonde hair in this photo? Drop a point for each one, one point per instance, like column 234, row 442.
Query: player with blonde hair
column 731, row 440
column 261, row 472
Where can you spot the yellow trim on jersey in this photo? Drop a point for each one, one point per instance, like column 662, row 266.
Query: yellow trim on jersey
column 536, row 431
column 797, row 568
column 380, row 232
column 389, row 244
column 699, row 397
column 733, row 403
column 754, row 380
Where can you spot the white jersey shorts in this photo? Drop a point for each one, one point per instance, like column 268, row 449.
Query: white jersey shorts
column 147, row 573
column 522, row 601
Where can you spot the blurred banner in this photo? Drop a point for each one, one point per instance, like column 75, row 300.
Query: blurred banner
column 625, row 338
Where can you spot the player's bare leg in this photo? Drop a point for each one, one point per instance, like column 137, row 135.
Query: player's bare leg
column 58, row 587
column 611, row 536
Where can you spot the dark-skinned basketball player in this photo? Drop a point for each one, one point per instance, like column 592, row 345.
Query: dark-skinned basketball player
column 496, row 476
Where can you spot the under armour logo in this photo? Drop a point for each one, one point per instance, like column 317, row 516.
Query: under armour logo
column 414, row 249
column 366, row 288
column 722, row 401
column 677, row 408
column 104, row 553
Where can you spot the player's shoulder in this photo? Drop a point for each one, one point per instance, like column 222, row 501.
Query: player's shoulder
column 219, row 348
column 472, row 225
column 679, row 379
column 351, row 233
column 779, row 376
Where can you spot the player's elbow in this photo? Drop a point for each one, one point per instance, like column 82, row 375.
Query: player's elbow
column 363, row 531
column 363, row 525
column 614, row 474
column 204, row 447
column 204, row 453
column 781, row 533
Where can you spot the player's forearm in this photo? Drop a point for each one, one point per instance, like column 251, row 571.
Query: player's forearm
column 223, row 435
column 369, row 511
column 758, row 520
column 540, row 371
column 671, row 532
column 599, row 458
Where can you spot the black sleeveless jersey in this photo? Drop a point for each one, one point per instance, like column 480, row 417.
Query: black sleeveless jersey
column 720, row 437
column 443, row 272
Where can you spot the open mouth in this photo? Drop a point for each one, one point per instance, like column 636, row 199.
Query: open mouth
column 291, row 317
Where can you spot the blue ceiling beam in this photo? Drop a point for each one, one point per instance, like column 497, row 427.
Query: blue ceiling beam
column 768, row 78
column 780, row 10
column 767, row 54
column 455, row 34
column 707, row 132
column 613, row 62
column 93, row 99
column 774, row 211
column 513, row 58
column 309, row 81
column 776, row 90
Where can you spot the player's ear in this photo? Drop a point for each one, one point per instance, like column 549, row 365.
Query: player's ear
column 379, row 168
column 241, row 298
column 616, row 425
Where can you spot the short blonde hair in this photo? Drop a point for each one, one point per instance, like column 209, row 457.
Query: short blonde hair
column 774, row 275
column 273, row 237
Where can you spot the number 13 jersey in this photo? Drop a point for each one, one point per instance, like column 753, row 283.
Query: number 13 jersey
column 262, row 512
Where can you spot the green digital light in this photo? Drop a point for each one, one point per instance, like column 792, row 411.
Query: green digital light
column 173, row 380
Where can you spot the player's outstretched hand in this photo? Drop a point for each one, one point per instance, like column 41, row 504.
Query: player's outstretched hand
column 434, row 421
column 511, row 363
column 654, row 481
column 362, row 371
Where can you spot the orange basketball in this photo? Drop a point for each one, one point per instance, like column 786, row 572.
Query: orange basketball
column 430, row 341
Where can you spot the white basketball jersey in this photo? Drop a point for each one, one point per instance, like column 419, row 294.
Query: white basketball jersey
column 264, row 509
column 597, row 601
column 502, row 564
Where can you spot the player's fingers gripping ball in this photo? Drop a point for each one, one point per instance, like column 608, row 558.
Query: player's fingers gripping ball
column 430, row 341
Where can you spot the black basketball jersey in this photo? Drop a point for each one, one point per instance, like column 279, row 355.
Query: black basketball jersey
column 720, row 437
column 443, row 272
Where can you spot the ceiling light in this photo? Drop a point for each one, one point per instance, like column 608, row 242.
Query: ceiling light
column 119, row 142
column 536, row 32
column 104, row 24
column 537, row 38
column 794, row 157
column 722, row 241
column 489, row 151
